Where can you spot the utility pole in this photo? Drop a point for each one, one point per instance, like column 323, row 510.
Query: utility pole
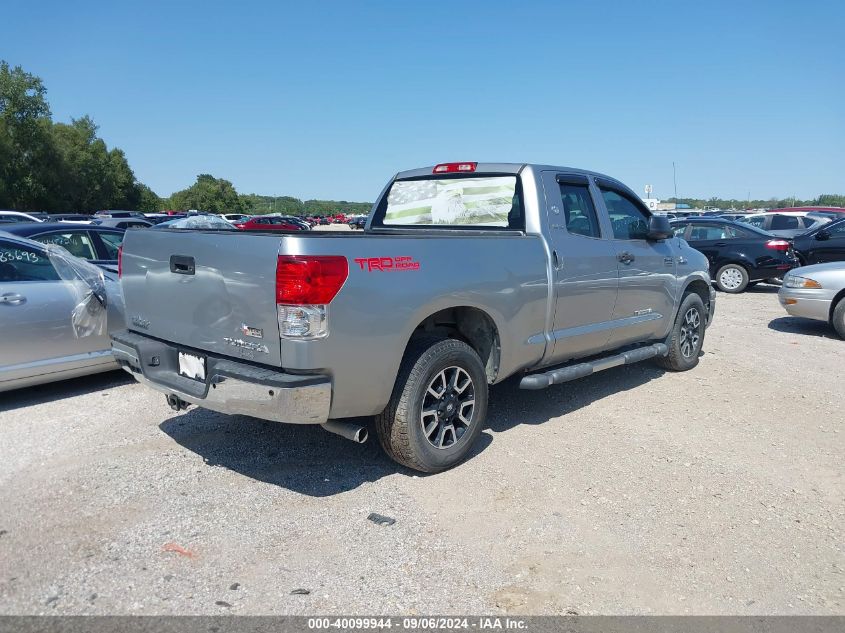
column 675, row 180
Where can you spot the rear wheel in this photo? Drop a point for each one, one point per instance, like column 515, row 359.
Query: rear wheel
column 732, row 278
column 438, row 405
column 837, row 320
column 687, row 335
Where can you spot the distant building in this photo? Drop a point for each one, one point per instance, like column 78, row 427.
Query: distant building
column 652, row 203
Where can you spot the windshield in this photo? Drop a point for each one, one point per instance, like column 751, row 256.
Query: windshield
column 481, row 201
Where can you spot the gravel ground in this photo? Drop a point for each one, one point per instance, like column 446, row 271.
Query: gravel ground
column 715, row 491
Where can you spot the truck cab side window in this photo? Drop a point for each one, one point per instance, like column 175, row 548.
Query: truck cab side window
column 627, row 220
column 578, row 210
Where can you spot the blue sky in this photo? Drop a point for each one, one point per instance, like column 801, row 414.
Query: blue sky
column 329, row 99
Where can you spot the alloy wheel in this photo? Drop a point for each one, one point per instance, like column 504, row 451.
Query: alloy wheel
column 690, row 333
column 448, row 407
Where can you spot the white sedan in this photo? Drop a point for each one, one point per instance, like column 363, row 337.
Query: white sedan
column 816, row 292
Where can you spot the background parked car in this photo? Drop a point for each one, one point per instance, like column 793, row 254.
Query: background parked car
column 235, row 217
column 301, row 223
column 70, row 217
column 357, row 223
column 123, row 223
column 825, row 243
column 12, row 217
column 158, row 218
column 816, row 292
column 268, row 223
column 839, row 211
column 44, row 342
column 788, row 224
column 119, row 214
column 95, row 244
column 739, row 254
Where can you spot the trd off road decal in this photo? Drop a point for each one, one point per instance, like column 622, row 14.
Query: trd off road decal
column 387, row 264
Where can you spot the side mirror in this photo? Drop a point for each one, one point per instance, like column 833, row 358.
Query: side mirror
column 659, row 228
column 823, row 235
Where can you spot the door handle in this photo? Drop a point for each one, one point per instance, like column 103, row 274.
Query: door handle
column 720, row 244
column 555, row 260
column 625, row 258
column 12, row 299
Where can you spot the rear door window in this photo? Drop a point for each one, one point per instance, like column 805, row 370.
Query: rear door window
column 758, row 221
column 738, row 233
column 77, row 243
column 578, row 210
column 781, row 222
column 24, row 263
column 708, row 232
column 111, row 242
column 679, row 229
column 838, row 230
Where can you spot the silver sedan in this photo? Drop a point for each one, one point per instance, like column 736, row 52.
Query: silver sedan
column 816, row 292
column 55, row 314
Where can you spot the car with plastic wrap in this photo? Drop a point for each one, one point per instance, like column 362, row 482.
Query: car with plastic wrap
column 465, row 274
column 55, row 313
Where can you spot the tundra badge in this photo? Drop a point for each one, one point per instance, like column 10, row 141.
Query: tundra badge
column 254, row 332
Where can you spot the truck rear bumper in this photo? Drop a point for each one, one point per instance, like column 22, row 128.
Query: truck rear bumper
column 230, row 386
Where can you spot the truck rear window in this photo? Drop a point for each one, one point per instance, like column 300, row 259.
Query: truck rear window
column 479, row 201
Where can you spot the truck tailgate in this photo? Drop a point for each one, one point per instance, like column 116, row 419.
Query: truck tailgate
column 210, row 290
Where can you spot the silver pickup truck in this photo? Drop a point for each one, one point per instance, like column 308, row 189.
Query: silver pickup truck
column 465, row 274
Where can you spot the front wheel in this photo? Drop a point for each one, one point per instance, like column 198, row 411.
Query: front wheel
column 732, row 278
column 438, row 405
column 687, row 336
column 838, row 318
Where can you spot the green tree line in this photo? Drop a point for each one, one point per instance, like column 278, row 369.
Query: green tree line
column 824, row 200
column 219, row 196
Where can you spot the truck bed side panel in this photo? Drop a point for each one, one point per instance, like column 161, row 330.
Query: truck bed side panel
column 395, row 282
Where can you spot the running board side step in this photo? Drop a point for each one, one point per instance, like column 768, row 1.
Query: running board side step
column 573, row 372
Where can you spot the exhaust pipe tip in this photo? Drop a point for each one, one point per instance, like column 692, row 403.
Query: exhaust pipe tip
column 348, row 430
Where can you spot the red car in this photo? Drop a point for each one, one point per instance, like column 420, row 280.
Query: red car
column 267, row 223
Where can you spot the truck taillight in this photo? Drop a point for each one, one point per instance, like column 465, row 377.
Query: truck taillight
column 120, row 261
column 452, row 168
column 778, row 245
column 305, row 285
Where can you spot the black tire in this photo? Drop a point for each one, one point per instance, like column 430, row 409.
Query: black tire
column 731, row 271
column 684, row 330
column 400, row 426
column 837, row 319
